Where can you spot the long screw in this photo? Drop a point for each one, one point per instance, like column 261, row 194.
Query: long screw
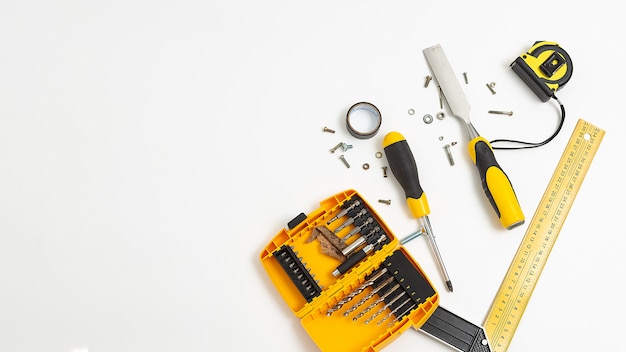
column 345, row 162
column 509, row 113
column 449, row 154
column 336, row 147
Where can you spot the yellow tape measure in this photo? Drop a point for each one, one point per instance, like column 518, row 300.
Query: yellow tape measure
column 521, row 278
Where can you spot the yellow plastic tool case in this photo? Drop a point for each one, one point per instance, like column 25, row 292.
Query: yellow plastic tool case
column 344, row 275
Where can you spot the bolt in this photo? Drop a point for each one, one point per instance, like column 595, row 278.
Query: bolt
column 337, row 147
column 510, row 113
column 346, row 146
column 490, row 86
column 385, row 201
column 465, row 77
column 345, row 162
column 428, row 78
column 440, row 98
column 384, row 171
column 326, row 129
column 449, row 153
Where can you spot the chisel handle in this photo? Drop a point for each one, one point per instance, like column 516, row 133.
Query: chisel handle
column 404, row 168
column 496, row 184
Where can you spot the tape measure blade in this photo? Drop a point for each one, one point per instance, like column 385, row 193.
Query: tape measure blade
column 529, row 260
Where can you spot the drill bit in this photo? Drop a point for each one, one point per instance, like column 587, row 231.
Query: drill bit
column 394, row 311
column 376, row 302
column 356, row 292
column 367, row 297
column 399, row 316
column 385, row 307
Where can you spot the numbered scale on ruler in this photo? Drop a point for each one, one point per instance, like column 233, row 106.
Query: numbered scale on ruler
column 532, row 254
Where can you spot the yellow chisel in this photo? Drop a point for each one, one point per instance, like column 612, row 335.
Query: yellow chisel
column 495, row 182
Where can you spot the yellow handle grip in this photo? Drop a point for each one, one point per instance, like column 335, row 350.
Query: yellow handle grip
column 496, row 184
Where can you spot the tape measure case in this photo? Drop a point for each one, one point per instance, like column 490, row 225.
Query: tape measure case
column 364, row 307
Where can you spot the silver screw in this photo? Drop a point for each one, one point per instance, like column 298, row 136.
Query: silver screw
column 384, row 171
column 345, row 162
column 326, row 129
column 385, row 201
column 440, row 98
column 449, row 153
column 490, row 86
column 510, row 113
column 337, row 147
column 346, row 146
column 428, row 78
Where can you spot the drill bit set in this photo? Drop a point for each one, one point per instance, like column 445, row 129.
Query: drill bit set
column 342, row 271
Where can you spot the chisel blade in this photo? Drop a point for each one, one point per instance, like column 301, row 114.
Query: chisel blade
column 448, row 82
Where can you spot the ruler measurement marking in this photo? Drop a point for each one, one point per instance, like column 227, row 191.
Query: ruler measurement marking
column 534, row 250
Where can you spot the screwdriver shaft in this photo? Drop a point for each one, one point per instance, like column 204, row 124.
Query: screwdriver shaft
column 433, row 243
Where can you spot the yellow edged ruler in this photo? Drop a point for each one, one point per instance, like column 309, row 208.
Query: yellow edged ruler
column 521, row 278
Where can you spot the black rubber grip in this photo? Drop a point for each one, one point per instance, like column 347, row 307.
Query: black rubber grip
column 404, row 168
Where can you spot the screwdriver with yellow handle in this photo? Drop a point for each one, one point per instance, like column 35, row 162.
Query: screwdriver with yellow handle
column 403, row 166
column 495, row 182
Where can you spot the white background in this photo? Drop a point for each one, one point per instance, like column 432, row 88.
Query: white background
column 149, row 150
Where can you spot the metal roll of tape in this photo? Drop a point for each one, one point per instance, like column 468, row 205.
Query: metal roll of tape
column 363, row 120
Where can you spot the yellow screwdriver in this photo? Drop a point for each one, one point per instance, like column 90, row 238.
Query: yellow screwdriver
column 404, row 168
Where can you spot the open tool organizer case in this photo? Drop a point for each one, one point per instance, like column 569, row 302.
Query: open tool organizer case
column 344, row 306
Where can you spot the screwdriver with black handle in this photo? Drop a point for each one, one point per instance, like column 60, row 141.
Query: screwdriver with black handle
column 404, row 168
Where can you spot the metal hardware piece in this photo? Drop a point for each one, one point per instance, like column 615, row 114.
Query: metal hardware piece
column 428, row 79
column 465, row 77
column 490, row 86
column 384, row 171
column 337, row 147
column 411, row 111
column 497, row 112
column 428, row 118
column 441, row 115
column 326, row 129
column 440, row 97
column 345, row 162
column 366, row 166
column 385, row 201
column 346, row 146
column 449, row 153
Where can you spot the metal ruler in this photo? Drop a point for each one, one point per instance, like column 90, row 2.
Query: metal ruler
column 521, row 278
